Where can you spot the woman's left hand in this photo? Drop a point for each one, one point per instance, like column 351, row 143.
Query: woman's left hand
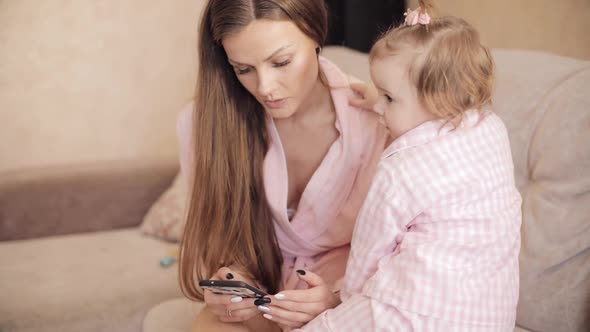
column 295, row 308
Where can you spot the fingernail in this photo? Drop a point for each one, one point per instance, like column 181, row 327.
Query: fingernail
column 267, row 316
column 229, row 276
column 301, row 272
column 262, row 301
column 236, row 299
column 263, row 308
column 280, row 296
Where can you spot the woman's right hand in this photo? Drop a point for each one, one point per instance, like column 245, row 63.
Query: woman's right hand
column 230, row 308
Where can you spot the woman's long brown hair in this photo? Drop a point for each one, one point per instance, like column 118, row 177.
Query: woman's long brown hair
column 229, row 222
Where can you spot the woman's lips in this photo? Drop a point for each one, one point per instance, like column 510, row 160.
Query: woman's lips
column 278, row 103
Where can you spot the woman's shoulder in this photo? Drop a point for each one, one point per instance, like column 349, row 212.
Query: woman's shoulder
column 363, row 121
column 342, row 82
column 184, row 119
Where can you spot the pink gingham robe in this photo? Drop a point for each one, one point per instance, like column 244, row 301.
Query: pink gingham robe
column 318, row 236
column 436, row 243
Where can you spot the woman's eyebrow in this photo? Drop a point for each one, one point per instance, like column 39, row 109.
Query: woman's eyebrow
column 278, row 51
column 267, row 59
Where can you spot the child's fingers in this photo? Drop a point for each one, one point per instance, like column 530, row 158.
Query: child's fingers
column 358, row 102
column 359, row 88
column 365, row 96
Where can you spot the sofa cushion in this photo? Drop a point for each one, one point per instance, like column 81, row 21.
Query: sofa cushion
column 103, row 281
column 166, row 217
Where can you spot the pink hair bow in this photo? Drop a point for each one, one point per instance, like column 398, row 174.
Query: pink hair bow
column 416, row 16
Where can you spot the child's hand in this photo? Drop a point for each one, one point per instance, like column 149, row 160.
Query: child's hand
column 365, row 95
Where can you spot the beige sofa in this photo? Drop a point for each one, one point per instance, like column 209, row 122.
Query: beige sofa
column 96, row 272
column 545, row 103
column 73, row 258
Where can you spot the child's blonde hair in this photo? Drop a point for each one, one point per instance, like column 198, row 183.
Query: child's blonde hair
column 452, row 70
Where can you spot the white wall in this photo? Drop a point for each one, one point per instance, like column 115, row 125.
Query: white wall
column 556, row 26
column 90, row 80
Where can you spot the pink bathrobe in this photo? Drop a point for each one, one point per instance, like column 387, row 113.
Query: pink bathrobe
column 318, row 236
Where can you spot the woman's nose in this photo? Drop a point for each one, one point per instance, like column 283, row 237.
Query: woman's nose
column 266, row 84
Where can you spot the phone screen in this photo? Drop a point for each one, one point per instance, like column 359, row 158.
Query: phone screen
column 232, row 287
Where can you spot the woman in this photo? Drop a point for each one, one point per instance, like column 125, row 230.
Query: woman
column 279, row 164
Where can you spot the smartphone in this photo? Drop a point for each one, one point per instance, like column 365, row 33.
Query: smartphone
column 232, row 287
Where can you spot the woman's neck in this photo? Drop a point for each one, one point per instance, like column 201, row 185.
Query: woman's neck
column 316, row 108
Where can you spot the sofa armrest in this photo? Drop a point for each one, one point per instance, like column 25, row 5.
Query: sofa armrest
column 80, row 198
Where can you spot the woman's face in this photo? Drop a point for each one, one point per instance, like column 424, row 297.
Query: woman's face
column 275, row 62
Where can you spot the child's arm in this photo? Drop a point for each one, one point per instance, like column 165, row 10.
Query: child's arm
column 381, row 222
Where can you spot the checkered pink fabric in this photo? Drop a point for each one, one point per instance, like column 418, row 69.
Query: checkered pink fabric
column 361, row 313
column 439, row 233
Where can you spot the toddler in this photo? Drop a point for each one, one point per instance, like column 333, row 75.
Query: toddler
column 436, row 244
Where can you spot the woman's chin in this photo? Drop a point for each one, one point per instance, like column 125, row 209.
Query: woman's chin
column 280, row 113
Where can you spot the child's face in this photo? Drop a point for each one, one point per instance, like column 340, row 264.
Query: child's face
column 398, row 98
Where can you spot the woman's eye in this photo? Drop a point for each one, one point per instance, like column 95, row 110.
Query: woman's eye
column 282, row 64
column 242, row 71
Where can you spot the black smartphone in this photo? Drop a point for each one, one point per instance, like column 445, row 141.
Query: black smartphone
column 232, row 287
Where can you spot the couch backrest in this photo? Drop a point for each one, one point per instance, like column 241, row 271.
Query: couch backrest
column 80, row 198
column 544, row 101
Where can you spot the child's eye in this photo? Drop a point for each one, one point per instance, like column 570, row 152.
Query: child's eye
column 282, row 64
column 388, row 98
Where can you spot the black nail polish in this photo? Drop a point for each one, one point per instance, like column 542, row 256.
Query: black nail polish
column 229, row 276
column 301, row 272
column 262, row 301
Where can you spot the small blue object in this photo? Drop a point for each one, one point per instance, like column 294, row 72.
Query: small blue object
column 167, row 261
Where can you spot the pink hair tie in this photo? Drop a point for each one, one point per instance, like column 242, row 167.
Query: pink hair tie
column 415, row 16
